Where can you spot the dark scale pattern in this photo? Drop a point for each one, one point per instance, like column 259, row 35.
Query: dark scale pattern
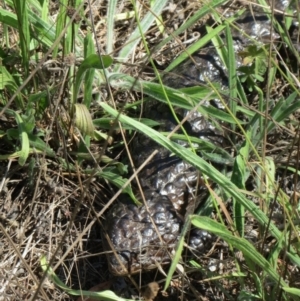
column 141, row 235
column 144, row 237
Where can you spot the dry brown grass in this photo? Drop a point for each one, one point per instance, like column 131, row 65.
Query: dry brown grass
column 46, row 210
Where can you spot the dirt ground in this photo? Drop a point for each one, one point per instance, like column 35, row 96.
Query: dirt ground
column 46, row 209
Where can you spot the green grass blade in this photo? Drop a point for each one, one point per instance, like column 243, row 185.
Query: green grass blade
column 40, row 145
column 110, row 173
column 195, row 47
column 8, row 18
column 232, row 74
column 60, row 24
column 241, row 244
column 135, row 37
column 105, row 123
column 177, row 256
column 119, row 182
column 292, row 291
column 24, row 153
column 207, row 169
column 104, row 296
column 40, row 30
column 207, row 149
column 208, row 6
column 8, row 82
column 211, row 33
column 93, row 61
column 36, row 143
column 89, row 49
column 279, row 114
column 111, row 12
column 159, row 20
column 239, row 177
column 24, row 33
column 282, row 32
column 45, row 10
column 283, row 110
column 185, row 98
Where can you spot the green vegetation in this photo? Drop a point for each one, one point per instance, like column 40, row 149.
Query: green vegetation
column 58, row 126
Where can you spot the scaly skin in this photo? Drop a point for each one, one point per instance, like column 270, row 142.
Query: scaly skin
column 143, row 237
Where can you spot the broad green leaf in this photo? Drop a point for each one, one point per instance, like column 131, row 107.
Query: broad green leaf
column 8, row 18
column 92, row 61
column 8, row 82
column 36, row 143
column 24, row 153
column 89, row 49
column 292, row 290
column 83, row 120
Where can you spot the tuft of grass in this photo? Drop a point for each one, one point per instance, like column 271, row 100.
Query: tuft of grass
column 60, row 139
